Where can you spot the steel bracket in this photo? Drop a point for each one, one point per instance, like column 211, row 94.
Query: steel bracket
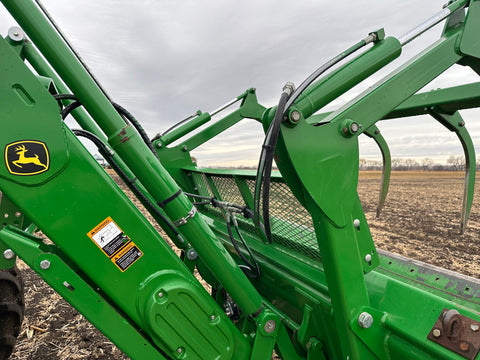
column 457, row 333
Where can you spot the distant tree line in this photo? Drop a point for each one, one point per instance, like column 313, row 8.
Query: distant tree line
column 454, row 163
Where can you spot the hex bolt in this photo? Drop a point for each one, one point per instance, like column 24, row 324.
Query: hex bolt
column 270, row 326
column 464, row 346
column 8, row 254
column 365, row 320
column 368, row 258
column 159, row 145
column 44, row 264
column 356, row 223
column 436, row 332
column 295, row 116
column 474, row 327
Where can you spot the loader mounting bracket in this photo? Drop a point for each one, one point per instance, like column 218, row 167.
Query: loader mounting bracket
column 457, row 332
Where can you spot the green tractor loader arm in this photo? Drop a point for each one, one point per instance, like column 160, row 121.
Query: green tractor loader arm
column 288, row 256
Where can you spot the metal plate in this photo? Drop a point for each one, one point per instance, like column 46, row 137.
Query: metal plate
column 457, row 333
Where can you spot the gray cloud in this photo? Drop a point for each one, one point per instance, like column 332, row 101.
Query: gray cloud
column 165, row 60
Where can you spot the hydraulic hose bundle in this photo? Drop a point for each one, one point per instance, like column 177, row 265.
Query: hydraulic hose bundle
column 287, row 99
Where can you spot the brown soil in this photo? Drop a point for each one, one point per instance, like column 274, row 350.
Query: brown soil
column 421, row 219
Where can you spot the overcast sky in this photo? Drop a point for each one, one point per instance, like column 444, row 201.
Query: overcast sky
column 164, row 60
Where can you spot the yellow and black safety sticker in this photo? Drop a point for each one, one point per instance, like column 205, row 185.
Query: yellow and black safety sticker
column 115, row 244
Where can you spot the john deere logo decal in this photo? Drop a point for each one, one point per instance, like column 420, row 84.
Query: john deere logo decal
column 27, row 157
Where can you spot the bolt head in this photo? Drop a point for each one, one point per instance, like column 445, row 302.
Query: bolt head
column 368, row 258
column 356, row 223
column 270, row 326
column 295, row 116
column 44, row 264
column 436, row 332
column 354, row 128
column 474, row 327
column 160, row 294
column 16, row 34
column 212, row 317
column 365, row 320
column 159, row 145
column 192, row 255
column 9, row 254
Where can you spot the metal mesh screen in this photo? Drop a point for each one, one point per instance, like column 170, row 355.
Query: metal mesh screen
column 228, row 190
column 291, row 223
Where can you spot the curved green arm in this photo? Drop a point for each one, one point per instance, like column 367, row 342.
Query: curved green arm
column 374, row 133
column 455, row 123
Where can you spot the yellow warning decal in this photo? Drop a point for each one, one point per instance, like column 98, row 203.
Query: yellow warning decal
column 115, row 244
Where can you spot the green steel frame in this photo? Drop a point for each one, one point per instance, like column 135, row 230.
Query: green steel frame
column 324, row 292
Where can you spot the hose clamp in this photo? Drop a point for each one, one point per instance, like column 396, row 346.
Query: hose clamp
column 184, row 220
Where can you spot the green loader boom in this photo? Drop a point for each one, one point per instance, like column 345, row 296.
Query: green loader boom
column 288, row 256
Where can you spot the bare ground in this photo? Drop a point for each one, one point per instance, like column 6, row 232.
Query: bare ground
column 421, row 219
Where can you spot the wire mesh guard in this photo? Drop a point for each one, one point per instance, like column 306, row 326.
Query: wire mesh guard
column 291, row 223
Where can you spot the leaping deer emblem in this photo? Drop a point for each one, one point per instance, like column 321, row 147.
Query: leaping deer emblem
column 22, row 159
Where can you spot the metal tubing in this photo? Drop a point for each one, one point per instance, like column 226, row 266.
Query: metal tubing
column 429, row 23
column 185, row 129
column 420, row 29
column 135, row 153
column 199, row 120
column 228, row 104
column 343, row 79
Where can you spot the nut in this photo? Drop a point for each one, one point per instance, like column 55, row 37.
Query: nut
column 436, row 332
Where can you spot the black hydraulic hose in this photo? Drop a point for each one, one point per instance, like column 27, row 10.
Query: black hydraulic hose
column 69, row 108
column 246, row 212
column 264, row 170
column 106, row 153
column 249, row 268
column 252, row 271
column 257, row 268
column 263, row 178
column 181, row 122
column 126, row 115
